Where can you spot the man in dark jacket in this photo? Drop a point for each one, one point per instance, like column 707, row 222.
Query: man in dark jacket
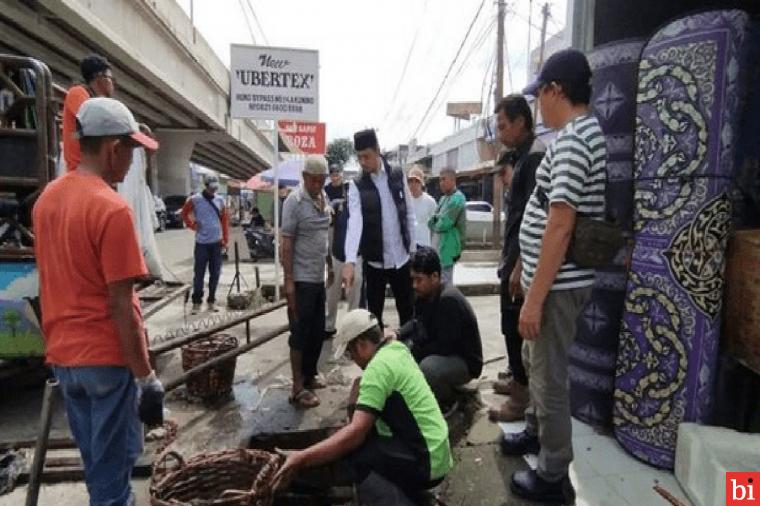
column 443, row 336
column 337, row 194
column 517, row 168
column 381, row 227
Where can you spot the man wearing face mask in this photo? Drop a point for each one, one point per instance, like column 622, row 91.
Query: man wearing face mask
column 89, row 258
column 206, row 213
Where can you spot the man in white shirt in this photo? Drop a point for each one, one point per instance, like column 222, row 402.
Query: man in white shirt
column 424, row 205
column 381, row 228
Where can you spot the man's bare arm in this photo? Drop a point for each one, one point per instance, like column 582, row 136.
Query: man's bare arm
column 129, row 327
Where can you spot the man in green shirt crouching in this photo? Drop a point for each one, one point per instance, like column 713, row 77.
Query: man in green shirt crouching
column 396, row 444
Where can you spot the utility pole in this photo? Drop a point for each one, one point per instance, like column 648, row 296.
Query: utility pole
column 545, row 13
column 499, row 91
column 498, row 94
column 530, row 29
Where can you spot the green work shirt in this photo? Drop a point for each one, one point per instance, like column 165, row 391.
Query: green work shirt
column 450, row 223
column 394, row 389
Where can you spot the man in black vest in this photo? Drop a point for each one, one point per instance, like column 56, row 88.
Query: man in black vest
column 337, row 194
column 381, row 224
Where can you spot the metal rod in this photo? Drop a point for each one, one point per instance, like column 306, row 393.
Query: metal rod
column 258, row 277
column 237, row 268
column 176, row 343
column 171, row 385
column 277, row 217
column 248, row 331
column 40, row 450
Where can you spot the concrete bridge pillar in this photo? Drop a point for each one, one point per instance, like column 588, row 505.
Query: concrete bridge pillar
column 173, row 161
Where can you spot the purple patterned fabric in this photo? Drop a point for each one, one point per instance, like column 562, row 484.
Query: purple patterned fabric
column 592, row 356
column 687, row 114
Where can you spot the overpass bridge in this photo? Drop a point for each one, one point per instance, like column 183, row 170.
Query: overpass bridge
column 165, row 72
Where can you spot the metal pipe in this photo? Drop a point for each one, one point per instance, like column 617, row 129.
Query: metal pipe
column 244, row 317
column 176, row 343
column 171, row 385
column 46, row 419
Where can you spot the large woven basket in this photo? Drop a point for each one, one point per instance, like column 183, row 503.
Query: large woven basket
column 217, row 381
column 235, row 477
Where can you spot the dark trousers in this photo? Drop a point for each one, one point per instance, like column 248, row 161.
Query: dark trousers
column 307, row 326
column 510, row 320
column 401, row 286
column 392, row 459
column 207, row 255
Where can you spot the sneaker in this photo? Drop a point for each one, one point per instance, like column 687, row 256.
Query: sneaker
column 213, row 308
column 196, row 309
column 519, row 443
column 529, row 485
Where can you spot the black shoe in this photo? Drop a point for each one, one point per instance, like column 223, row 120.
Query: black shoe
column 529, row 485
column 519, row 443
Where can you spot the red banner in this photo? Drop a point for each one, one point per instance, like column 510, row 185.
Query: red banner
column 307, row 137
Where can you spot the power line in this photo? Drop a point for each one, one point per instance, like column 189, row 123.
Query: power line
column 485, row 79
column 406, row 65
column 448, row 72
column 478, row 42
column 247, row 21
column 256, row 19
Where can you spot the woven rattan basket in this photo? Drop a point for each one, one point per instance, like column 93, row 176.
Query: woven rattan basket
column 215, row 382
column 235, row 477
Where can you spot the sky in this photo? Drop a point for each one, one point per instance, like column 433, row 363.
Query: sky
column 365, row 46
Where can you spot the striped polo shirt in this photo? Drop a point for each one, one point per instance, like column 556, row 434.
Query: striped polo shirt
column 574, row 172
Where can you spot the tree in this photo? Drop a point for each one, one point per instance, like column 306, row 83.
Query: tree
column 339, row 151
column 12, row 318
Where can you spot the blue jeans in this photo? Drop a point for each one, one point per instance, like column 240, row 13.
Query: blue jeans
column 207, row 255
column 101, row 405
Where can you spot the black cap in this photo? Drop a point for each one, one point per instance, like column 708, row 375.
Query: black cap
column 335, row 167
column 568, row 65
column 365, row 139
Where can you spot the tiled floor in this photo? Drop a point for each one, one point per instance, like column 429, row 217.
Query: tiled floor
column 605, row 475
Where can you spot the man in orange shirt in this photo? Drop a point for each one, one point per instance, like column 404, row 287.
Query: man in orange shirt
column 89, row 259
column 96, row 72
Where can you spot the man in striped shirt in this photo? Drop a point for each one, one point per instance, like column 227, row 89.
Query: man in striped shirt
column 570, row 181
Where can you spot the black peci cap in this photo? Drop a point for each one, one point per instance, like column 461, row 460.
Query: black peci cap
column 365, row 139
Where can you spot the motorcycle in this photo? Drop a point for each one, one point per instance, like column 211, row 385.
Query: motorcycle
column 260, row 242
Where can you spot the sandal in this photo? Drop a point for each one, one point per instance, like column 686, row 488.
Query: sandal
column 315, row 384
column 304, row 399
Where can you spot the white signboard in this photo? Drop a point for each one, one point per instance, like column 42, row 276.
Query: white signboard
column 274, row 83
